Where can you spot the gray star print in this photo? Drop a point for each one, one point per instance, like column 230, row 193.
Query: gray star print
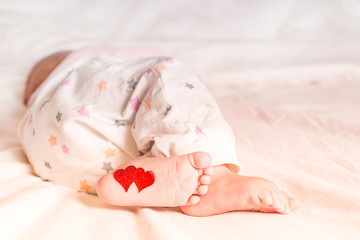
column 189, row 86
column 167, row 110
column 47, row 164
column 58, row 116
column 107, row 167
column 118, row 123
column 132, row 84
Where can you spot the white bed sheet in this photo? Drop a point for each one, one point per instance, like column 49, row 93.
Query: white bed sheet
column 286, row 75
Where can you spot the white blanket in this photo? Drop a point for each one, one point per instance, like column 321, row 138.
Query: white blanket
column 285, row 73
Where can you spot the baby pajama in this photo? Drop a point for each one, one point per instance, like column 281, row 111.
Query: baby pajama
column 98, row 111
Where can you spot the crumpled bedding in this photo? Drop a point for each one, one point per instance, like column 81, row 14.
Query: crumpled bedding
column 285, row 74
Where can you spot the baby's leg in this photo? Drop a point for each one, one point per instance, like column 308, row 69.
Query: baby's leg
column 151, row 181
column 191, row 121
column 230, row 192
column 177, row 116
column 163, row 130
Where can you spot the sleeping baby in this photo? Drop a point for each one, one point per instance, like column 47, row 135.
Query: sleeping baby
column 137, row 129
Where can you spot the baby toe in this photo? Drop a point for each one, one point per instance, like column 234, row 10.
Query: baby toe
column 266, row 198
column 200, row 159
column 193, row 200
column 205, row 180
column 208, row 171
column 202, row 189
column 286, row 205
column 277, row 205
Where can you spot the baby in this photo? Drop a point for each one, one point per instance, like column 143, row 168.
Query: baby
column 137, row 129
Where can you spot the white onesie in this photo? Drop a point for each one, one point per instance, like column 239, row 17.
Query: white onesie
column 96, row 111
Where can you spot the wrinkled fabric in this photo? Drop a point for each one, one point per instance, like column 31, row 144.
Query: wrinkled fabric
column 101, row 111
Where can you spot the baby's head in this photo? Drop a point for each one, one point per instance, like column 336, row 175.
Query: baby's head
column 41, row 71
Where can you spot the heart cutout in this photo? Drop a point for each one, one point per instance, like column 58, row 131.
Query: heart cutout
column 125, row 177
column 143, row 179
column 132, row 174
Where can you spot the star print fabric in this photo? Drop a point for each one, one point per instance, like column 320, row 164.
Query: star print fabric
column 100, row 111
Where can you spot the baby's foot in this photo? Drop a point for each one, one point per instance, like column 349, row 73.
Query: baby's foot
column 165, row 182
column 230, row 192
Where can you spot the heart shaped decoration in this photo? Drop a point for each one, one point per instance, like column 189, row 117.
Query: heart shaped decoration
column 132, row 174
column 143, row 179
column 125, row 177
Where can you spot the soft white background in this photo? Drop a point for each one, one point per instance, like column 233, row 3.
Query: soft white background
column 245, row 36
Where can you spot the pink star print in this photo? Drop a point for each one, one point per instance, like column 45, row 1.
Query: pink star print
column 198, row 130
column 65, row 149
column 30, row 119
column 170, row 60
column 66, row 82
column 135, row 103
column 83, row 112
column 149, row 71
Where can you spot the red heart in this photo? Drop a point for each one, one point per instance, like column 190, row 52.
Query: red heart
column 125, row 177
column 143, row 179
column 132, row 174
